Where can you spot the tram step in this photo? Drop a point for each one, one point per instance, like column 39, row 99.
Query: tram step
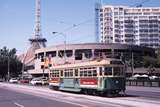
column 70, row 89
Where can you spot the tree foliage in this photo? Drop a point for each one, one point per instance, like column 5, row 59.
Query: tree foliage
column 149, row 61
column 152, row 62
column 158, row 57
column 8, row 59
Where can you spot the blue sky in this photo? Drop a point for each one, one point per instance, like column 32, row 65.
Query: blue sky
column 17, row 20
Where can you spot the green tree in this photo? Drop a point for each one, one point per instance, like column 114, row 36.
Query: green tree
column 158, row 57
column 9, row 57
column 149, row 61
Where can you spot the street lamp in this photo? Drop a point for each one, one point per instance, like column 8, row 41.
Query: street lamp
column 60, row 33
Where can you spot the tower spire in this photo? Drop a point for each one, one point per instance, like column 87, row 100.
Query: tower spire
column 38, row 19
column 37, row 41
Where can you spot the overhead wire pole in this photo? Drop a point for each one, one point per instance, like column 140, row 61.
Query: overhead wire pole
column 140, row 4
column 64, row 43
column 8, row 67
column 65, row 37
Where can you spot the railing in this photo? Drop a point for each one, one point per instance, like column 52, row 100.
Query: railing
column 145, row 83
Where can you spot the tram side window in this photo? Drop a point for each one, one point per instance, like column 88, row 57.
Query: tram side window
column 76, row 72
column 89, row 73
column 81, row 73
column 62, row 73
column 94, row 73
column 108, row 71
column 55, row 73
column 71, row 74
column 85, row 73
column 65, row 74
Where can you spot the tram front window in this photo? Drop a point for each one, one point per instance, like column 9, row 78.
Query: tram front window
column 107, row 70
column 117, row 71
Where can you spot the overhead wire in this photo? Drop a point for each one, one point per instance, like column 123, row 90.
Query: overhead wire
column 73, row 26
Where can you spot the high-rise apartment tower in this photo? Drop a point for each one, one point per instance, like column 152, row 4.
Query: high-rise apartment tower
column 130, row 25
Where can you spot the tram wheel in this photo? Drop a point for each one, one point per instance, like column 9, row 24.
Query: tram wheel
column 102, row 94
column 84, row 91
column 109, row 94
column 94, row 92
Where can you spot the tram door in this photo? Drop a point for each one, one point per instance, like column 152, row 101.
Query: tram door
column 100, row 77
column 68, row 80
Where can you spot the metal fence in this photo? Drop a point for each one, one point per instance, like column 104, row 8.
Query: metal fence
column 145, row 83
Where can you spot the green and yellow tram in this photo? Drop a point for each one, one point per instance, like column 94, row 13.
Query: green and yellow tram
column 102, row 76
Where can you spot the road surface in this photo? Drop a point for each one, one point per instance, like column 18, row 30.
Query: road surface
column 12, row 95
column 152, row 93
column 10, row 98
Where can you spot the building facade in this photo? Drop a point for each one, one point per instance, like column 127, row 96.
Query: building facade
column 130, row 25
column 76, row 53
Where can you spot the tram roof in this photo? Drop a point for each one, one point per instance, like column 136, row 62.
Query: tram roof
column 97, row 62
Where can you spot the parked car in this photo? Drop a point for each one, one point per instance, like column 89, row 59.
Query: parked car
column 153, row 77
column 13, row 80
column 39, row 81
column 44, row 81
column 24, row 80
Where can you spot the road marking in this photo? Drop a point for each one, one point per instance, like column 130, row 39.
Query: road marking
column 17, row 104
column 36, row 91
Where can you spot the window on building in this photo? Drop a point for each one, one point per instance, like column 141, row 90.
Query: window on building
column 69, row 53
column 51, row 54
column 61, row 53
column 41, row 55
column 80, row 52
